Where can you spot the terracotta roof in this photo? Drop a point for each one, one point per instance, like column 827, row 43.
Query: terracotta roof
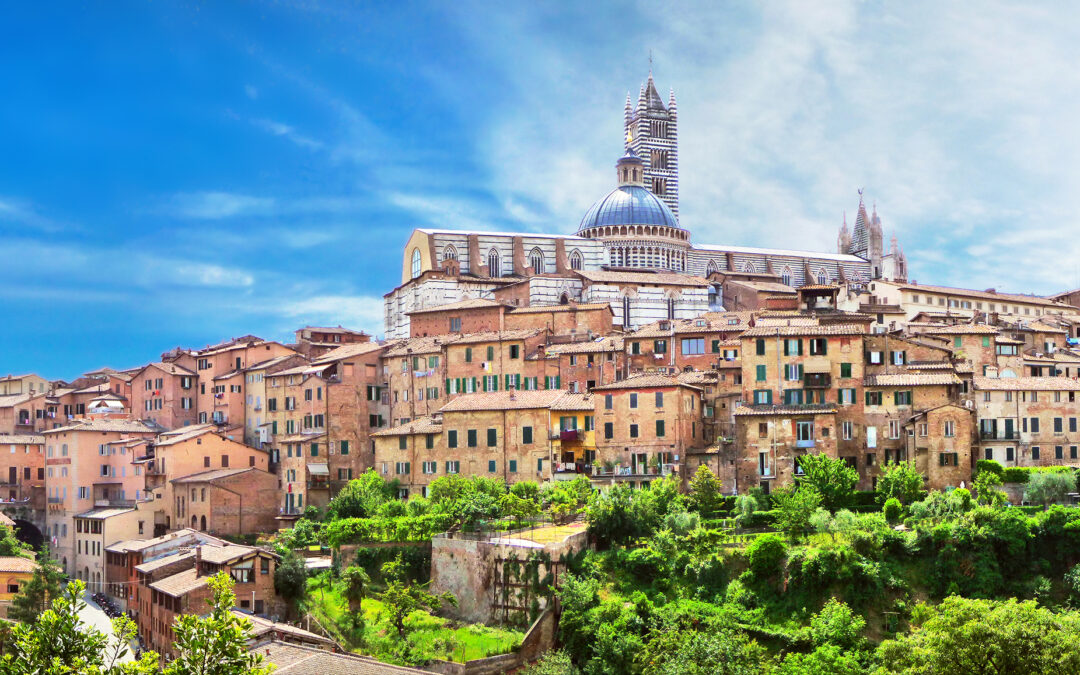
column 22, row 439
column 654, row 278
column 212, row 475
column 220, row 555
column 931, row 365
column 158, row 563
column 420, row 425
column 170, row 368
column 184, row 434
column 960, row 329
column 293, row 659
column 910, row 380
column 816, row 409
column 809, row 331
column 116, row 425
column 819, row 287
column 580, row 307
column 765, row 286
column 700, row 377
column 571, row 401
column 301, row 438
column 1006, row 340
column 14, row 399
column 644, row 381
column 498, row 336
column 260, row 627
column 141, row 544
column 468, row 303
column 1026, row 384
column 604, row 344
column 420, row 345
column 180, row 583
column 262, row 365
column 334, row 330
column 504, row 400
column 686, row 326
column 102, row 514
column 14, row 563
column 349, row 351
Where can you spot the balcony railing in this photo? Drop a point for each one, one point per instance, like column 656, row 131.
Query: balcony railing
column 290, row 511
column 56, row 500
column 569, row 435
column 999, row 436
column 817, row 380
column 807, row 443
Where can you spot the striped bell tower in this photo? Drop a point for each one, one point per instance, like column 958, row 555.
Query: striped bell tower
column 651, row 131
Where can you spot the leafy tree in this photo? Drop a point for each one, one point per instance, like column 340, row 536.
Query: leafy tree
column 825, row 660
column 520, row 509
column 989, row 466
column 59, row 643
column 356, row 582
column 1046, row 488
column 986, row 488
column 10, row 545
column 36, row 595
column 892, row 510
column 795, row 507
column 527, row 489
column 1072, row 585
column 614, row 516
column 578, row 597
column 290, row 579
column 900, row 480
column 705, row 495
column 215, row 644
column 717, row 652
column 402, row 597
column 833, row 478
column 985, row 637
column 555, row 662
column 745, row 506
column 837, row 625
column 361, row 497
column 766, row 556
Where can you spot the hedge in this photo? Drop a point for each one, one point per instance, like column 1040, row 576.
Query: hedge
column 402, row 528
column 1020, row 474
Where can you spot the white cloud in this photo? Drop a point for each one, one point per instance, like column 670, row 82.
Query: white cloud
column 210, row 275
column 353, row 311
column 217, row 205
column 288, row 132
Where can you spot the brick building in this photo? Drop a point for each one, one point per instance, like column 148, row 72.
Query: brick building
column 22, row 482
column 165, row 393
column 227, row 502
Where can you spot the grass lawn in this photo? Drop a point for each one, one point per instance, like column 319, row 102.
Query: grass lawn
column 429, row 636
column 552, row 533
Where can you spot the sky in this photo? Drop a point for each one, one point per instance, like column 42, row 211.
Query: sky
column 178, row 173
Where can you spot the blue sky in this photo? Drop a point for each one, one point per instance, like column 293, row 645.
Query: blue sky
column 178, row 173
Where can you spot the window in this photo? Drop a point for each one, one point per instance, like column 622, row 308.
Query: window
column 846, row 396
column 819, row 346
column 659, row 346
column 515, row 351
column 429, row 441
column 759, row 347
column 633, row 400
column 1059, row 452
column 950, row 428
column 468, row 355
column 633, row 431
column 762, row 397
column 659, row 428
column 609, row 430
column 1035, row 452
column 608, row 402
column 576, row 261
column 691, row 346
column 455, row 324
column 536, row 261
column 492, row 438
column 471, row 440
column 793, row 347
column 902, row 397
column 491, row 466
column 948, row 459
column 490, row 353
column 873, row 398
column 899, row 358
column 958, row 342
column 1059, row 425
column 845, row 370
column 894, row 429
column 453, row 466
column 875, row 358
column 760, row 373
column 845, row 430
column 429, row 467
column 1010, row 454
column 415, row 263
column 659, row 399
column 635, row 348
column 403, row 443
column 451, row 438
column 493, row 263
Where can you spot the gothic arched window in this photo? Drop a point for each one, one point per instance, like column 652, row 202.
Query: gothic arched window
column 536, row 260
column 576, row 262
column 493, row 263
column 626, row 311
column 748, row 268
column 822, row 277
column 415, row 263
column 785, row 276
column 710, row 268
column 671, row 308
column 449, row 253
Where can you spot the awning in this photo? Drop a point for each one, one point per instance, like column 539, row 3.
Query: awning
column 318, row 469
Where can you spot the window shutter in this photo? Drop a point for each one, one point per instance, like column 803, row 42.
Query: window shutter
column 800, row 371
column 448, row 385
column 799, row 342
column 768, row 397
column 557, row 381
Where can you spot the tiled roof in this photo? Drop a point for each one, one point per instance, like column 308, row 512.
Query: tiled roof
column 1026, row 384
column 260, row 627
column 504, row 400
column 184, row 434
column 808, row 331
column 819, row 287
column 14, row 563
column 170, row 368
column 102, row 514
column 686, row 326
column 931, row 365
column 94, row 389
column 468, row 303
column 765, row 286
column 14, row 399
column 115, row 425
column 141, row 544
column 420, row 345
column 700, row 377
column 571, row 401
column 301, row 438
column 219, row 555
column 349, row 351
column 498, row 336
column 212, row 475
column 262, row 365
column 654, row 278
column 604, row 344
column 1006, row 340
column 293, row 659
column 960, row 329
column 910, row 380
column 334, row 330
column 420, row 425
column 785, row 410
column 544, row 309
column 22, row 439
column 644, row 381
column 180, row 583
column 158, row 563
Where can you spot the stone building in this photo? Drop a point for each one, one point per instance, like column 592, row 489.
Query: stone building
column 1028, row 421
column 229, row 502
column 22, row 482
column 164, row 393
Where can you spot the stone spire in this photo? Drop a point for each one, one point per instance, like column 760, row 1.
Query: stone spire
column 671, row 102
column 860, row 235
column 651, row 131
column 843, row 242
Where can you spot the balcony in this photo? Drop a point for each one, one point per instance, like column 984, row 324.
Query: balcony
column 569, row 435
column 999, row 436
column 113, row 503
column 806, row 443
column 817, row 380
column 879, row 308
column 56, row 500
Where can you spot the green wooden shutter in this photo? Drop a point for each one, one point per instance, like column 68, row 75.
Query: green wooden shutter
column 799, row 342
column 800, row 371
column 558, row 384
column 448, row 385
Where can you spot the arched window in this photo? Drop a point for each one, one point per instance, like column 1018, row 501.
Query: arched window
column 449, row 253
column 576, row 262
column 671, row 308
column 415, row 263
column 748, row 268
column 564, row 299
column 536, row 260
column 202, row 523
column 785, row 276
column 710, row 268
column 822, row 278
column 493, row 263
column 626, row 311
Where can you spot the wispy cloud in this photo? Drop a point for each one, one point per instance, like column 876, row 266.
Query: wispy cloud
column 217, row 205
column 287, row 132
column 363, row 312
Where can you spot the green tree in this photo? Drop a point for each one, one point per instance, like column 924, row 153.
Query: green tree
column 795, row 507
column 356, row 581
column 717, row 652
column 401, row 597
column 361, row 497
column 837, row 625
column 824, row 660
column 892, row 510
column 59, row 643
column 987, row 492
column 985, row 637
column 899, row 480
column 766, row 556
column 215, row 644
column 10, row 545
column 1072, row 585
column 833, row 478
column 1049, row 487
column 705, row 495
column 519, row 508
column 290, row 580
column 554, row 662
column 36, row 595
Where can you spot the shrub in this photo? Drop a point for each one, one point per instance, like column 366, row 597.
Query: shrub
column 1014, row 474
column 766, row 554
column 737, row 593
column 1072, row 585
column 990, row 466
column 892, row 510
column 837, row 625
column 645, row 563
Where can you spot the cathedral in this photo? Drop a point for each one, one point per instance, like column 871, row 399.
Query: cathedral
column 629, row 250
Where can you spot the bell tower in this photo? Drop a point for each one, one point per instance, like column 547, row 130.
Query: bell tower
column 651, row 132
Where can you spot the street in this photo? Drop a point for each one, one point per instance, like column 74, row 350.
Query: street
column 94, row 616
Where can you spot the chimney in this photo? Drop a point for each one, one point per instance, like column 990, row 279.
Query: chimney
column 198, row 560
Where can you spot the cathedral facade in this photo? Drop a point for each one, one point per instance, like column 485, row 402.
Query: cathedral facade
column 629, row 250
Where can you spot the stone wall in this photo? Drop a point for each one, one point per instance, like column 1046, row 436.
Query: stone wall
column 538, row 639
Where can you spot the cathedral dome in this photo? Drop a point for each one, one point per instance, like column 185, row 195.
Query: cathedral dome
column 628, row 205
